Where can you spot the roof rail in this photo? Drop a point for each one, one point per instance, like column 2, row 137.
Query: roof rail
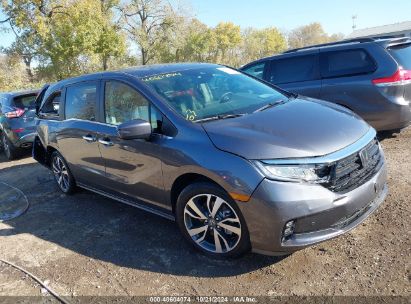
column 359, row 40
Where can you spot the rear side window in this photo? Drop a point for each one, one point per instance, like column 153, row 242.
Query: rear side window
column 402, row 54
column 256, row 70
column 123, row 103
column 346, row 63
column 294, row 69
column 25, row 101
column 81, row 100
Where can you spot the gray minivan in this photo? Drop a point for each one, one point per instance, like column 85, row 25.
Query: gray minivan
column 371, row 77
column 238, row 164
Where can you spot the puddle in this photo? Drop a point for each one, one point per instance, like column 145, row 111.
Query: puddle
column 13, row 202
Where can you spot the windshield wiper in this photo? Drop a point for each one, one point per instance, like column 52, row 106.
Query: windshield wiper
column 218, row 117
column 270, row 105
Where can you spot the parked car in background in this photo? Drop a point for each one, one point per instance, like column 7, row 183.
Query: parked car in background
column 371, row 77
column 17, row 125
column 237, row 163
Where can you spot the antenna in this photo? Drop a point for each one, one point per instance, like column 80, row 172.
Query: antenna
column 354, row 22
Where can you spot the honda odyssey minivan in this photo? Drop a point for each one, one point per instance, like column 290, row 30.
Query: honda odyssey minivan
column 237, row 163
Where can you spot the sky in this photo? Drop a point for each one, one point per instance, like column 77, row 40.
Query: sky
column 334, row 15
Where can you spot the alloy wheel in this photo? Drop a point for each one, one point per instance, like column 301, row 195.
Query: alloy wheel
column 212, row 223
column 61, row 174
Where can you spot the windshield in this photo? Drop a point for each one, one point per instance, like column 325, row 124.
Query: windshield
column 208, row 92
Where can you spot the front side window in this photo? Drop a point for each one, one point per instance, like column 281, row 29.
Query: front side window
column 123, row 103
column 346, row 63
column 256, row 70
column 52, row 104
column 207, row 92
column 81, row 101
column 294, row 69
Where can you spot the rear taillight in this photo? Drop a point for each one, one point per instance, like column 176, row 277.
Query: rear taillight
column 400, row 77
column 19, row 130
column 14, row 114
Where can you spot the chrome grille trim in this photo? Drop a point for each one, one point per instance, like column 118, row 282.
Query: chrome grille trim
column 351, row 172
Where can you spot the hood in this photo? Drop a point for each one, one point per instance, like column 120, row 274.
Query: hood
column 302, row 127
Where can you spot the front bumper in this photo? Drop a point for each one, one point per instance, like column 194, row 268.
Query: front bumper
column 319, row 213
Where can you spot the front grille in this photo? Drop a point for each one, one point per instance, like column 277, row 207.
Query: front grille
column 356, row 169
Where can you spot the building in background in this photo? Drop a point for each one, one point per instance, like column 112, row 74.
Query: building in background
column 402, row 29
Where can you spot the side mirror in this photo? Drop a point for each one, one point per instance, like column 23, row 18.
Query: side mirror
column 135, row 129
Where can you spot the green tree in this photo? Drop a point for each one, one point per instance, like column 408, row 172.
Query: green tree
column 71, row 36
column 111, row 41
column 310, row 34
column 228, row 38
column 12, row 73
column 258, row 43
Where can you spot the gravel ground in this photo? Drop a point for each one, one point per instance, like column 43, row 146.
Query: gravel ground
column 89, row 245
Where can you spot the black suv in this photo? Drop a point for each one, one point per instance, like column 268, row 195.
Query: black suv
column 371, row 77
column 17, row 125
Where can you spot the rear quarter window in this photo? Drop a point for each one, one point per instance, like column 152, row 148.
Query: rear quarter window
column 402, row 54
column 294, row 69
column 25, row 101
column 346, row 63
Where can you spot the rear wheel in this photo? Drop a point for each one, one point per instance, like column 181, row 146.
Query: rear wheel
column 9, row 150
column 62, row 175
column 211, row 221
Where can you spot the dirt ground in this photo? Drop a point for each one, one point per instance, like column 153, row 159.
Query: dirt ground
column 86, row 244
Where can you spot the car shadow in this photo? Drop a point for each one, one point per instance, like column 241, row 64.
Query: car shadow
column 103, row 229
column 383, row 135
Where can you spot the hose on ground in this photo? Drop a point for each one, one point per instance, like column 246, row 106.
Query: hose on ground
column 51, row 291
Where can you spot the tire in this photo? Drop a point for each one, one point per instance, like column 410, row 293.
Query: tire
column 8, row 148
column 62, row 174
column 219, row 233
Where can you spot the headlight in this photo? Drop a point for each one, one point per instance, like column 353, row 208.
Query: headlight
column 313, row 173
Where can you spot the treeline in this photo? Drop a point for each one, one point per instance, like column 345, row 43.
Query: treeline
column 63, row 38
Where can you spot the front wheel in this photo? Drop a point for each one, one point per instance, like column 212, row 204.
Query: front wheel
column 211, row 221
column 62, row 175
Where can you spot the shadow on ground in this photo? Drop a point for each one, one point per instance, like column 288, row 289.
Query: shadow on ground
column 106, row 230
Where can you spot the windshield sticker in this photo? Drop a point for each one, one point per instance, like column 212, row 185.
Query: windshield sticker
column 191, row 115
column 229, row 71
column 160, row 77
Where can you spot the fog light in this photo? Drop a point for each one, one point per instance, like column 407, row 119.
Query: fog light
column 289, row 229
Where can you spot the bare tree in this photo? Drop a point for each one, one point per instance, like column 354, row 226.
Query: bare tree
column 145, row 21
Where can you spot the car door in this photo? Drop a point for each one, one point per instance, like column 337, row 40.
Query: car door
column 133, row 167
column 297, row 74
column 77, row 134
column 346, row 81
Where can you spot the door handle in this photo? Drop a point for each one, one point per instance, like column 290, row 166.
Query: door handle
column 89, row 138
column 107, row 143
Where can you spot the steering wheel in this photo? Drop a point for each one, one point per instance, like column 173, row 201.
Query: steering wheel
column 226, row 97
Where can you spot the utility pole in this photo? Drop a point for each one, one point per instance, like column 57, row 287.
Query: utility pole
column 354, row 22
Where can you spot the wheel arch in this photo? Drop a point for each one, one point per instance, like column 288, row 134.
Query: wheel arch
column 41, row 153
column 185, row 180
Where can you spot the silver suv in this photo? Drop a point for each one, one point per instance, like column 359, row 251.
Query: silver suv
column 237, row 163
column 371, row 77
